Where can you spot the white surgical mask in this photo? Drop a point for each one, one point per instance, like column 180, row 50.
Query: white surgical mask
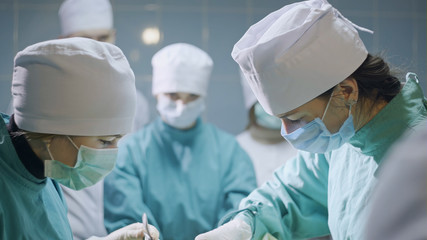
column 177, row 114
column 92, row 165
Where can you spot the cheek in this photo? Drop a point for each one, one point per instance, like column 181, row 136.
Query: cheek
column 336, row 120
column 88, row 142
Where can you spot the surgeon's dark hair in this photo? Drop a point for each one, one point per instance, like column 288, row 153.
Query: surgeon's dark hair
column 375, row 80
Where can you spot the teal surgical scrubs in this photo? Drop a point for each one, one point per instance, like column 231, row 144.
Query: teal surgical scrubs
column 30, row 207
column 185, row 180
column 320, row 194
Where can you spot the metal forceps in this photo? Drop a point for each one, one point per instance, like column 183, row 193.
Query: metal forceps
column 147, row 235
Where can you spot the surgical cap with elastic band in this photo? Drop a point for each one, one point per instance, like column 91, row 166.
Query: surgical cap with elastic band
column 73, row 86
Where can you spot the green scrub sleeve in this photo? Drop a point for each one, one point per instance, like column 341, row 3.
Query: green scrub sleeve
column 123, row 195
column 239, row 178
column 293, row 205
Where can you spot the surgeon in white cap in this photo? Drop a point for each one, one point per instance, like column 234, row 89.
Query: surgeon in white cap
column 87, row 18
column 184, row 173
column 261, row 138
column 92, row 19
column 339, row 105
column 73, row 100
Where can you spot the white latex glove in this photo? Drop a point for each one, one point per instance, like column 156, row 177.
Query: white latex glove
column 234, row 230
column 130, row 232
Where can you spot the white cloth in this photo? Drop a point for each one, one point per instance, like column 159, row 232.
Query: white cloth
column 142, row 114
column 86, row 211
column 298, row 52
column 73, row 86
column 248, row 94
column 265, row 157
column 83, row 15
column 234, row 230
column 399, row 204
column 181, row 67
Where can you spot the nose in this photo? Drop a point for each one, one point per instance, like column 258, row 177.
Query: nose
column 185, row 100
column 289, row 126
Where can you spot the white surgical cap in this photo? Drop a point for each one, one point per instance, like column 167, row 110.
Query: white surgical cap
column 73, row 86
column 298, row 52
column 248, row 94
column 181, row 67
column 83, row 15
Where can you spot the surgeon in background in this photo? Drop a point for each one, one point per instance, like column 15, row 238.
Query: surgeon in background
column 64, row 130
column 92, row 19
column 261, row 139
column 339, row 104
column 184, row 173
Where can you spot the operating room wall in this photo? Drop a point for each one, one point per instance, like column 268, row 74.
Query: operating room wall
column 213, row 25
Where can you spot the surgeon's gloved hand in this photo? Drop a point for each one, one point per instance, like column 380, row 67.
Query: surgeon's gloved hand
column 236, row 229
column 130, row 232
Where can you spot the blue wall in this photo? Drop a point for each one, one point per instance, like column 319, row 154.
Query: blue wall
column 213, row 25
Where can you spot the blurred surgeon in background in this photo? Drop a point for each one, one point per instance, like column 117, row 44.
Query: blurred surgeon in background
column 399, row 206
column 341, row 106
column 184, row 173
column 92, row 19
column 261, row 139
column 66, row 124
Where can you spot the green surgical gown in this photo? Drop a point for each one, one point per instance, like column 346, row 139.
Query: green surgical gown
column 319, row 194
column 30, row 208
column 185, row 180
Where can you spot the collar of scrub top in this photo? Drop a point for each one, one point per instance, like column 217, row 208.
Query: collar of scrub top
column 396, row 114
column 27, row 156
column 180, row 135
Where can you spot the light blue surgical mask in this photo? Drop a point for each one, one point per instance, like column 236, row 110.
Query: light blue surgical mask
column 266, row 120
column 315, row 137
column 92, row 165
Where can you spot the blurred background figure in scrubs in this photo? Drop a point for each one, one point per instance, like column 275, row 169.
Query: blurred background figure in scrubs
column 92, row 19
column 339, row 105
column 184, row 173
column 261, row 139
column 65, row 128
column 399, row 206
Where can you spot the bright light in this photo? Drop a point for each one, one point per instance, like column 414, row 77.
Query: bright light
column 151, row 36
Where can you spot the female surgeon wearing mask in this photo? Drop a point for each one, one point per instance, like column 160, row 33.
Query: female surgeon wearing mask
column 73, row 99
column 339, row 105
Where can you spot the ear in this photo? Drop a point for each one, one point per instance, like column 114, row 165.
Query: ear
column 113, row 35
column 350, row 90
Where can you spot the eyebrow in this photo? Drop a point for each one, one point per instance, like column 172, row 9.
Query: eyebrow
column 282, row 115
column 116, row 136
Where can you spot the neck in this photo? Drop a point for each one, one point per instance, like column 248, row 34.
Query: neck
column 366, row 111
column 39, row 148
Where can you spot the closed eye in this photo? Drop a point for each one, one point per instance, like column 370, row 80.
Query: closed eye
column 106, row 143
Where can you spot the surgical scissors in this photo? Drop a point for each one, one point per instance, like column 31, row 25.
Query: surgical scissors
column 147, row 235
